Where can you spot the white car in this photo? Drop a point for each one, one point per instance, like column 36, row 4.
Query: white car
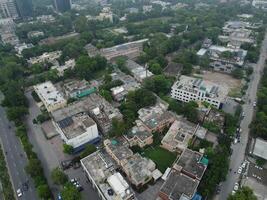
column 19, row 192
column 244, row 165
column 254, row 104
column 239, row 171
column 233, row 192
column 235, row 140
column 236, row 186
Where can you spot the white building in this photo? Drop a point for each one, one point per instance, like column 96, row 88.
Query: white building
column 46, row 57
column 78, row 130
column 193, row 89
column 50, row 96
column 139, row 72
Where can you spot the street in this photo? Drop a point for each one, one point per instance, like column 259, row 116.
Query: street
column 239, row 149
column 16, row 158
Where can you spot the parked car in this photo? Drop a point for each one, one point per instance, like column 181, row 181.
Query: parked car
column 254, row 104
column 236, row 186
column 239, row 171
column 19, row 192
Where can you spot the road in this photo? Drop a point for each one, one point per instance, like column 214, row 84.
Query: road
column 239, row 149
column 16, row 158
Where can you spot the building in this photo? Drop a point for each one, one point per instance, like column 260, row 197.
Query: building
column 215, row 117
column 69, row 64
column 119, row 150
column 178, row 186
column 25, row 8
column 53, row 40
column 62, row 5
column 35, row 34
column 139, row 170
column 78, row 130
column 260, row 148
column 20, row 47
column 156, row 118
column 45, row 18
column 101, row 111
column 139, row 135
column 50, row 96
column 8, row 32
column 91, row 50
column 100, row 171
column 8, row 9
column 193, row 89
column 129, row 84
column 78, row 88
column 130, row 50
column 261, row 4
column 179, row 135
column 50, row 57
column 192, row 164
column 139, row 72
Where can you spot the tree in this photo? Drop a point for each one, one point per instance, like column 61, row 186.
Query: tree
column 155, row 68
column 237, row 73
column 244, row 193
column 34, row 168
column 58, row 176
column 70, row 192
column 68, row 149
column 89, row 149
column 190, row 111
column 118, row 128
column 43, row 191
column 159, row 84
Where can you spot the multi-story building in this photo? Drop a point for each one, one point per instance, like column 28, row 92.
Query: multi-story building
column 50, row 96
column 25, row 8
column 130, row 50
column 8, row 9
column 139, row 72
column 101, row 172
column 193, row 89
column 62, row 5
column 50, row 57
column 261, row 4
column 77, row 130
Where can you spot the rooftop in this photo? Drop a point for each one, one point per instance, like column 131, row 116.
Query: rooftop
column 139, row 169
column 139, row 71
column 48, row 93
column 180, row 132
column 194, row 85
column 190, row 163
column 75, row 125
column 139, row 131
column 179, row 186
column 260, row 148
column 119, row 148
column 100, row 167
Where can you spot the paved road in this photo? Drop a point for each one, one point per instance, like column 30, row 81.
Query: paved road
column 239, row 149
column 15, row 162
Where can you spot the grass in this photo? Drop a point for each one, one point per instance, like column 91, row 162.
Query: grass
column 161, row 157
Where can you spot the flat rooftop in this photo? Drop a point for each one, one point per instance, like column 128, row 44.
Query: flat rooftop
column 100, row 167
column 179, row 185
column 139, row 131
column 191, row 162
column 194, row 85
column 260, row 148
column 75, row 125
column 180, row 132
column 48, row 93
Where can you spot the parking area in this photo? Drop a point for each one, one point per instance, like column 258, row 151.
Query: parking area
column 258, row 173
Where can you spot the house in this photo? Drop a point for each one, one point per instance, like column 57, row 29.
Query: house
column 139, row 72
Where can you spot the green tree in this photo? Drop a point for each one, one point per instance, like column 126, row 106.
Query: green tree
column 89, row 149
column 58, row 176
column 244, row 193
column 34, row 168
column 68, row 149
column 118, row 128
column 237, row 73
column 43, row 191
column 70, row 192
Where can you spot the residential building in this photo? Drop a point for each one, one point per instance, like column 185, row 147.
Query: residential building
column 216, row 117
column 179, row 135
column 139, row 170
column 91, row 50
column 101, row 111
column 156, row 118
column 8, row 32
column 35, row 34
column 8, row 9
column 50, row 96
column 139, row 72
column 259, row 148
column 20, row 47
column 62, row 5
column 101, row 173
column 261, row 4
column 25, row 8
column 192, row 164
column 78, row 130
column 139, row 135
column 178, row 186
column 78, row 88
column 129, row 84
column 119, row 150
column 69, row 64
column 45, row 18
column 53, row 40
column 50, row 57
column 130, row 50
column 193, row 89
